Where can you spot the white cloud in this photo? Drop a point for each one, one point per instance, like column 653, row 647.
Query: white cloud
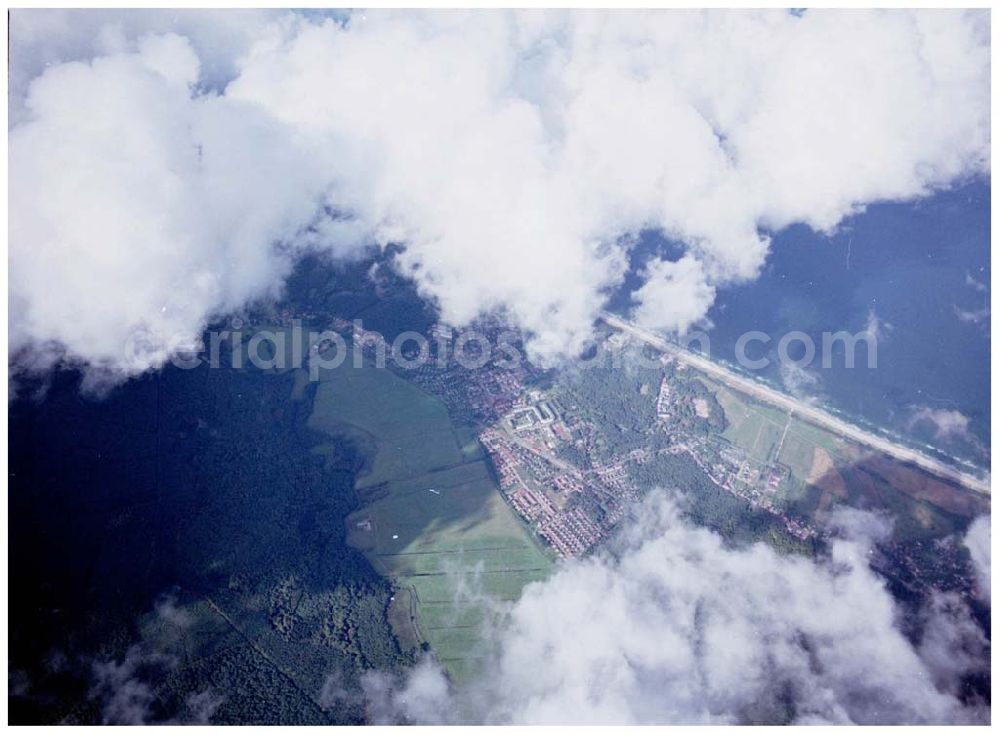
column 977, row 540
column 974, row 316
column 877, row 327
column 674, row 295
column 139, row 209
column 952, row 644
column 971, row 316
column 948, row 424
column 800, row 382
column 418, row 696
column 508, row 152
column 975, row 284
column 677, row 627
column 866, row 528
column 126, row 690
column 43, row 38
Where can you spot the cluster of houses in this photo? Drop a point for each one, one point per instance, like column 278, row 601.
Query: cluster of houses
column 571, row 533
column 530, row 477
column 532, row 506
column 663, row 400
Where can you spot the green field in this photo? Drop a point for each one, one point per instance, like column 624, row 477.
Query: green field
column 826, row 469
column 755, row 428
column 410, row 429
column 435, row 521
column 758, row 429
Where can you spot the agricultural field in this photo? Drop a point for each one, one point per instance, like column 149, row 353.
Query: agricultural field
column 825, row 469
column 434, row 520
column 757, row 429
column 410, row 429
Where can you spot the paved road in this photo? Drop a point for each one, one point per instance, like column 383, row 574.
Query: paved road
column 804, row 411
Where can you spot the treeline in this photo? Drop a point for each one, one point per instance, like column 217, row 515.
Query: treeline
column 619, row 395
column 705, row 504
column 205, row 481
column 369, row 289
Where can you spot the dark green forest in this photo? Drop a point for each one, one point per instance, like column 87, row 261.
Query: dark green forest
column 200, row 485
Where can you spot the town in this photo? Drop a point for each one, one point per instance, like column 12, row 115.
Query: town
column 549, row 462
column 572, row 450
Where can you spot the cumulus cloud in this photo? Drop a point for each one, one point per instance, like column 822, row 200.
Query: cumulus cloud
column 125, row 689
column 125, row 698
column 975, row 284
column 43, row 38
column 974, row 316
column 675, row 295
column 971, row 316
column 142, row 208
column 509, row 153
column 977, row 540
column 877, row 327
column 948, row 424
column 952, row 644
column 674, row 626
column 800, row 382
column 418, row 696
column 334, row 691
column 866, row 528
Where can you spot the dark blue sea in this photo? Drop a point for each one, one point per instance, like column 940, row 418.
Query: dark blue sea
column 922, row 269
